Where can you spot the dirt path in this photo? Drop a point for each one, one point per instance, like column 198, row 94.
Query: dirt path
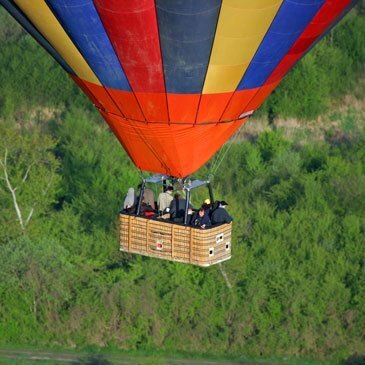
column 49, row 357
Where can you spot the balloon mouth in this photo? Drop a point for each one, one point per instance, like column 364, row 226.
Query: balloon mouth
column 246, row 114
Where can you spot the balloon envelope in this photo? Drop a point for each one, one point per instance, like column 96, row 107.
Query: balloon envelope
column 174, row 79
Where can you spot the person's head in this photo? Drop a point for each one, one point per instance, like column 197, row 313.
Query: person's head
column 223, row 204
column 207, row 201
column 206, row 206
column 201, row 212
column 169, row 189
column 130, row 196
column 190, row 211
column 177, row 196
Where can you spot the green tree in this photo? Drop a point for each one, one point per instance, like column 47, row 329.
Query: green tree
column 28, row 176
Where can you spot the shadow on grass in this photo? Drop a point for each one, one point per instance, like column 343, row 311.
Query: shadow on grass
column 94, row 360
column 355, row 360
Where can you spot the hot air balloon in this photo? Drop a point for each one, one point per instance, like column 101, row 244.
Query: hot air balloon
column 174, row 79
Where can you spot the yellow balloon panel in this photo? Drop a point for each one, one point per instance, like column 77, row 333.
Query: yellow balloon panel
column 242, row 25
column 42, row 17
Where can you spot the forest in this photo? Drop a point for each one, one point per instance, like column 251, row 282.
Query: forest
column 297, row 275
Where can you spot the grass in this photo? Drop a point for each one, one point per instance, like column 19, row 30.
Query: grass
column 93, row 355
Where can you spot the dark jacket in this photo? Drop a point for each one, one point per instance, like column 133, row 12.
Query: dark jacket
column 177, row 208
column 220, row 215
column 199, row 221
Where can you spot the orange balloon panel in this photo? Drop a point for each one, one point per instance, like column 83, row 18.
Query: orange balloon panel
column 154, row 106
column 212, row 106
column 183, row 108
column 127, row 103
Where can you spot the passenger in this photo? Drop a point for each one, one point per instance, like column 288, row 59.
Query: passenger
column 207, row 204
column 164, row 200
column 201, row 219
column 177, row 208
column 220, row 214
column 215, row 205
column 130, row 201
column 149, row 198
column 207, row 207
column 143, row 208
column 146, row 210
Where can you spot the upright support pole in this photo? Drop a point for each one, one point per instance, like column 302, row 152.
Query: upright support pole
column 187, row 206
column 141, row 192
column 210, row 194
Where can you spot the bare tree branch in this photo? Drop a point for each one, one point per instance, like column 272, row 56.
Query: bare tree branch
column 11, row 189
column 27, row 172
column 44, row 192
column 5, row 157
column 29, row 216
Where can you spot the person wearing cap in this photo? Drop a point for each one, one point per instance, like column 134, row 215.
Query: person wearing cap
column 164, row 200
column 207, row 205
column 220, row 215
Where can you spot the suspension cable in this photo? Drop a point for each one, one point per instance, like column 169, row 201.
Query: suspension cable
column 221, row 156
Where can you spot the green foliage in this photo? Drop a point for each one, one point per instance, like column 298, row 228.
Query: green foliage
column 8, row 32
column 297, row 270
column 34, row 288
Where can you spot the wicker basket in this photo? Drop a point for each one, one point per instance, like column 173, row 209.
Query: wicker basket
column 175, row 242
